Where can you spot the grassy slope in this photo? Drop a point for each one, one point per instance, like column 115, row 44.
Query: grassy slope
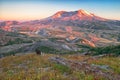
column 36, row 67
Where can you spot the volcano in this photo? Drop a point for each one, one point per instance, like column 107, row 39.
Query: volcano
column 76, row 15
column 68, row 28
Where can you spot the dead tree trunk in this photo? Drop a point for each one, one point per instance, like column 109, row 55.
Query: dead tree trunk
column 38, row 52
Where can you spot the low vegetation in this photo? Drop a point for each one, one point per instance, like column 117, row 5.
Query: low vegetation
column 17, row 41
column 48, row 49
column 113, row 50
column 39, row 67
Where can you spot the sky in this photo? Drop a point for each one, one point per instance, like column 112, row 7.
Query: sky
column 38, row 9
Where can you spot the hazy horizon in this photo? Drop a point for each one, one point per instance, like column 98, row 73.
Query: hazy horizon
column 23, row 10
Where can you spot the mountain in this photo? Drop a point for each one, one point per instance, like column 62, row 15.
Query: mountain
column 75, row 33
column 6, row 25
column 80, row 18
column 71, row 27
column 79, row 15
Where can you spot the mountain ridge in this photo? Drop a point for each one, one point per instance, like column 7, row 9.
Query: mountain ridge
column 76, row 15
column 62, row 31
column 78, row 24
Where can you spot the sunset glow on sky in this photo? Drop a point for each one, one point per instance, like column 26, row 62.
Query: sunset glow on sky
column 38, row 9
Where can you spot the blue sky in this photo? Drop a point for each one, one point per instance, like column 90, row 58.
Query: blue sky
column 38, row 9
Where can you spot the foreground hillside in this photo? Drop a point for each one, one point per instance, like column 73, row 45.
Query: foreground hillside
column 62, row 67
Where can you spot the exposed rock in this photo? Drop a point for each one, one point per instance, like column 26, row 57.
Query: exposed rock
column 87, row 68
column 42, row 32
column 106, row 67
column 66, row 47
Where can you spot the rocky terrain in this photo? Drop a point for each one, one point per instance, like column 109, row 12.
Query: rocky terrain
column 63, row 31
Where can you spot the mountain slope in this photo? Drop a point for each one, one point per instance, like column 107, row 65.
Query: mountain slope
column 80, row 18
column 72, row 27
column 76, row 15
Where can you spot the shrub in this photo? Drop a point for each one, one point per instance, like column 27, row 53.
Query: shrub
column 17, row 41
column 115, row 50
column 47, row 49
